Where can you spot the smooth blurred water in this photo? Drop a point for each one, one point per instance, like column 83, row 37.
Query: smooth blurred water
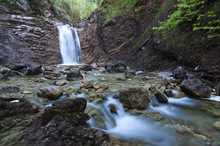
column 129, row 127
column 69, row 45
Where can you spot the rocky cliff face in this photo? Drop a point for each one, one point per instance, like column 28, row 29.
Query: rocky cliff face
column 124, row 38
column 129, row 38
column 28, row 32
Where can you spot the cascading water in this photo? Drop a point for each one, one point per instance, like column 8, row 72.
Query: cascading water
column 129, row 127
column 69, row 45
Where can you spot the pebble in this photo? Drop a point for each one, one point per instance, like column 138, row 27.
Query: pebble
column 26, row 92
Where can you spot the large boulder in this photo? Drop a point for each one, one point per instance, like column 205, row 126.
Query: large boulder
column 64, row 123
column 14, row 112
column 179, row 73
column 34, row 69
column 117, row 67
column 195, row 88
column 51, row 92
column 74, row 75
column 134, row 98
column 29, row 69
column 10, row 89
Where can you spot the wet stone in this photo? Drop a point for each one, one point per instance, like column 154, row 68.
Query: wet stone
column 161, row 97
column 74, row 75
column 60, row 82
column 195, row 88
column 112, row 108
column 10, row 89
column 50, row 92
column 217, row 125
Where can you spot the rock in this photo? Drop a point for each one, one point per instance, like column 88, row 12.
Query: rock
column 10, row 89
column 74, row 75
column 26, row 92
column 10, row 73
column 77, row 105
column 103, row 79
column 168, row 92
column 20, row 68
column 92, row 96
column 51, row 92
column 155, row 116
column 109, row 68
column 87, row 84
column 117, row 68
column 178, row 94
column 161, row 97
column 130, row 73
column 94, row 65
column 64, row 123
column 34, row 69
column 102, row 70
column 134, row 98
column 85, row 67
column 179, row 73
column 174, row 93
column 139, row 73
column 98, row 85
column 147, row 87
column 52, row 75
column 218, row 89
column 195, row 88
column 112, row 108
column 41, row 80
column 120, row 67
column 15, row 111
column 60, row 82
column 217, row 125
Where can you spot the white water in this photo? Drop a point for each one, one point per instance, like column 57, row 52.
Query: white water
column 129, row 127
column 70, row 48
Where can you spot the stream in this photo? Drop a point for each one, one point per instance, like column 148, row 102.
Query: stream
column 181, row 121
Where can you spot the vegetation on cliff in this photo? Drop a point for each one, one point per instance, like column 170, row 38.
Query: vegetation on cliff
column 193, row 22
column 113, row 8
column 77, row 9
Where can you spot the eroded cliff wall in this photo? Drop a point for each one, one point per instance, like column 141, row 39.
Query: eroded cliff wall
column 28, row 32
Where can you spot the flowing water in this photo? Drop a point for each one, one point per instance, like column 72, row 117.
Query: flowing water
column 129, row 127
column 181, row 122
column 69, row 45
column 193, row 114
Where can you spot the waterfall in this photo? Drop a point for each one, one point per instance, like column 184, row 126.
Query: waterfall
column 70, row 48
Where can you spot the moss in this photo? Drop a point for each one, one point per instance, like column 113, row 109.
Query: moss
column 159, row 11
column 42, row 23
column 114, row 8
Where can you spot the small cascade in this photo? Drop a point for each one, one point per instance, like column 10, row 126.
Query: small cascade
column 129, row 127
column 69, row 45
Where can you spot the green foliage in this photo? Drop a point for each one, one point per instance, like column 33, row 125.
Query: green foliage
column 114, row 8
column 159, row 11
column 196, row 15
column 78, row 9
